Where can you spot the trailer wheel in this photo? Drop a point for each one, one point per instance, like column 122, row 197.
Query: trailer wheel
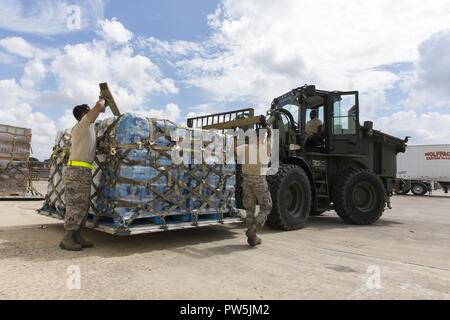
column 445, row 186
column 419, row 189
column 359, row 197
column 291, row 198
column 402, row 192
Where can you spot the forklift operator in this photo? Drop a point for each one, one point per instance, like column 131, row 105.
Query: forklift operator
column 314, row 125
column 313, row 130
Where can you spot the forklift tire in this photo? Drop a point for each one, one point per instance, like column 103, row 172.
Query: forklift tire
column 359, row 197
column 419, row 189
column 291, row 198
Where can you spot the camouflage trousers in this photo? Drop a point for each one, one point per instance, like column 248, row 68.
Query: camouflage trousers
column 256, row 191
column 77, row 194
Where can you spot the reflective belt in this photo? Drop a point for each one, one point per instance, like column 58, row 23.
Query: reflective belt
column 80, row 164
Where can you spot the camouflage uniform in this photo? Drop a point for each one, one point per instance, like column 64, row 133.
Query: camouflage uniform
column 256, row 191
column 254, row 185
column 77, row 194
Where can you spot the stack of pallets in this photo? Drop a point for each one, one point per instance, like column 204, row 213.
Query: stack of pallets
column 15, row 144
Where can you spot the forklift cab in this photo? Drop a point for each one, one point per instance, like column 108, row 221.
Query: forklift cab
column 344, row 123
column 337, row 111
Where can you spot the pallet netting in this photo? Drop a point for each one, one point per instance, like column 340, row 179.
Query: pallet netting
column 14, row 178
column 136, row 181
column 54, row 198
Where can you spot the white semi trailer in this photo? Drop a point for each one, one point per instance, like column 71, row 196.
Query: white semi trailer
column 421, row 166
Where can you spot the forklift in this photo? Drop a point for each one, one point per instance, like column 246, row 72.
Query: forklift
column 347, row 167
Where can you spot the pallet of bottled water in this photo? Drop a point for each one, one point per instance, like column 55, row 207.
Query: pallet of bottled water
column 151, row 175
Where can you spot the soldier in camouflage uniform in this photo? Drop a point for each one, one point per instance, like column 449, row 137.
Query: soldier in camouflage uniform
column 78, row 175
column 255, row 188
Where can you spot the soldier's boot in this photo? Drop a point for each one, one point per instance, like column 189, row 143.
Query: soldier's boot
column 252, row 239
column 80, row 240
column 69, row 243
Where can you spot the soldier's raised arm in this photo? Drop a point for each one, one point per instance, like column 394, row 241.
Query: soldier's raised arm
column 98, row 108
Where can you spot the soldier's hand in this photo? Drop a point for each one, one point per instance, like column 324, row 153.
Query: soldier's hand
column 101, row 103
column 102, row 97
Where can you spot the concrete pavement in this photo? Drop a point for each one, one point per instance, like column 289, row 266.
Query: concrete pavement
column 406, row 255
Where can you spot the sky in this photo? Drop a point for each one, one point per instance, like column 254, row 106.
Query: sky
column 175, row 58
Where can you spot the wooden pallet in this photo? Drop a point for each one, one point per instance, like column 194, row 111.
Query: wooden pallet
column 105, row 92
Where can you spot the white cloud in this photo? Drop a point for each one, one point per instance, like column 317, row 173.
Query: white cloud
column 132, row 77
column 261, row 48
column 49, row 17
column 14, row 111
column 426, row 128
column 170, row 48
column 35, row 69
column 114, row 31
column 77, row 70
column 67, row 120
column 33, row 74
column 19, row 47
column 429, row 84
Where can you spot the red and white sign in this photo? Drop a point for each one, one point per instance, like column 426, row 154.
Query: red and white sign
column 438, row 155
column 425, row 162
